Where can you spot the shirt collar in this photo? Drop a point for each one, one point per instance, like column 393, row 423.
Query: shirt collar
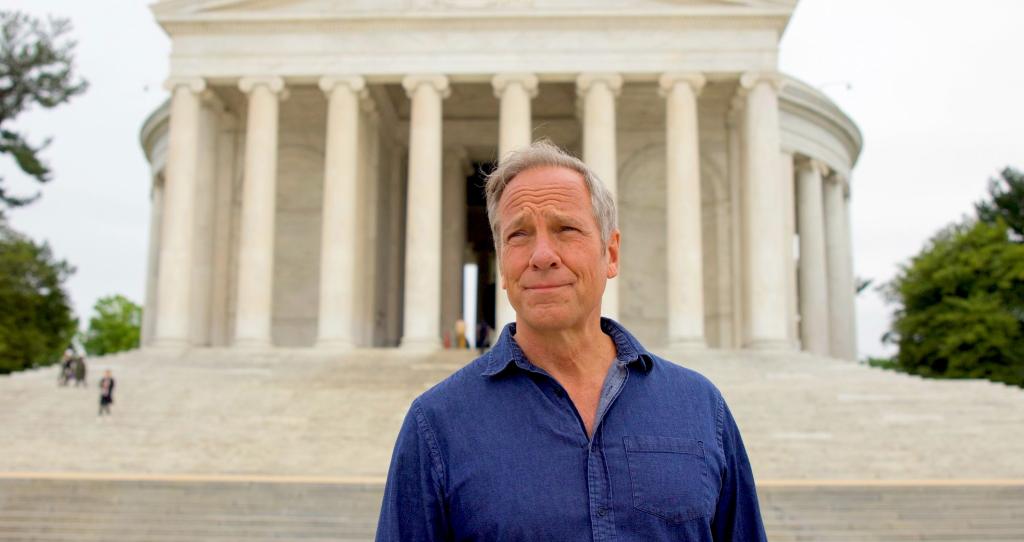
column 506, row 352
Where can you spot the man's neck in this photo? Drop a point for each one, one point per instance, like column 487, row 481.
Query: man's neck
column 583, row 353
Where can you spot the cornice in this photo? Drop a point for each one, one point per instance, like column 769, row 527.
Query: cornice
column 804, row 100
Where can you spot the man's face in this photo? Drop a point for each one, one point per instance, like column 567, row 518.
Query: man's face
column 552, row 263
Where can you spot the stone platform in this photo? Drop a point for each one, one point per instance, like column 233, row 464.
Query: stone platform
column 298, row 413
column 289, row 438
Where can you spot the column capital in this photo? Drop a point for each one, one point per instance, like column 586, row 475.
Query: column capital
column 750, row 79
column 195, row 84
column 836, row 178
column 356, row 83
column 503, row 80
column 668, row 81
column 813, row 164
column 586, row 80
column 440, row 83
column 273, row 83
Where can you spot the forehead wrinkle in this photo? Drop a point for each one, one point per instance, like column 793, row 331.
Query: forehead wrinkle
column 550, row 195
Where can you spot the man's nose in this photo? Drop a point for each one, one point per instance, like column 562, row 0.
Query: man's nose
column 545, row 255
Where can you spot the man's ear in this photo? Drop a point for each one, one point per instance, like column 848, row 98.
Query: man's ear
column 613, row 255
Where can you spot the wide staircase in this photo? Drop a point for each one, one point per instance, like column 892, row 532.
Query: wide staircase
column 294, row 445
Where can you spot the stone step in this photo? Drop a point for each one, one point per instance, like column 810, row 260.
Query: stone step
column 161, row 510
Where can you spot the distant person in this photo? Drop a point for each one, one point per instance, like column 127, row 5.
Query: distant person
column 80, row 371
column 66, row 370
column 106, row 392
column 483, row 336
column 460, row 334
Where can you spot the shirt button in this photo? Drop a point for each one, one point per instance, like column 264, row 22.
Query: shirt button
column 602, row 511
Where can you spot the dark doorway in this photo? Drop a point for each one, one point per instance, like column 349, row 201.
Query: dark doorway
column 478, row 235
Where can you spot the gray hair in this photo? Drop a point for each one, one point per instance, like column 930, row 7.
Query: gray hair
column 543, row 153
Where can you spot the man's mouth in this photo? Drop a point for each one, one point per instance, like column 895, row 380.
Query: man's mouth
column 542, row 287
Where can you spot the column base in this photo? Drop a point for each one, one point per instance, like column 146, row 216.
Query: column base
column 687, row 345
column 770, row 345
column 423, row 344
column 334, row 345
column 168, row 344
column 252, row 344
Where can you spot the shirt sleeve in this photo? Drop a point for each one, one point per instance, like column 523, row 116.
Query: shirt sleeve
column 413, row 506
column 737, row 516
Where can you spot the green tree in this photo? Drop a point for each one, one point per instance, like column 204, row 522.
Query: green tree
column 36, row 320
column 115, row 326
column 1006, row 202
column 36, row 69
column 961, row 305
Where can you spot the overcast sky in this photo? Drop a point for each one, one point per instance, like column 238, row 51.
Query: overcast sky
column 934, row 85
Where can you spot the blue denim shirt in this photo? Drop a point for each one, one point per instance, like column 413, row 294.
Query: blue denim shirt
column 497, row 451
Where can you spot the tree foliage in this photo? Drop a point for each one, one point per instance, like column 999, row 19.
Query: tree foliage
column 1006, row 202
column 36, row 322
column 36, row 68
column 961, row 305
column 115, row 327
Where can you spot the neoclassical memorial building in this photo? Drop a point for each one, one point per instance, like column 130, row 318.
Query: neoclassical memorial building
column 317, row 170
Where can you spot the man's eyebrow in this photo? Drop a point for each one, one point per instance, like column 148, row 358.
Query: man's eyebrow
column 566, row 219
column 515, row 222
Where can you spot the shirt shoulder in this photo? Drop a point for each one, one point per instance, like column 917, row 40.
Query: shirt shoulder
column 680, row 377
column 462, row 387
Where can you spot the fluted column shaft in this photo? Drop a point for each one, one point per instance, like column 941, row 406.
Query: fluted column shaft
column 814, row 317
column 220, row 333
column 149, row 310
column 456, row 169
column 515, row 124
column 422, row 312
column 256, row 241
column 763, row 222
column 205, row 222
column 598, row 93
column 683, row 211
column 338, row 237
column 788, row 178
column 840, row 276
column 176, row 247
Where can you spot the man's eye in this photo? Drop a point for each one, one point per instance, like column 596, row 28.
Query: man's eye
column 517, row 233
column 569, row 228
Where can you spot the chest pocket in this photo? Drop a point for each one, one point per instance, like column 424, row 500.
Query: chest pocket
column 669, row 477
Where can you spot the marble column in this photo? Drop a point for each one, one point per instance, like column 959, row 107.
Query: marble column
column 156, row 198
column 851, row 303
column 515, row 124
column 368, row 273
column 840, row 283
column 814, row 317
column 598, row 92
column 456, row 170
column 685, row 289
column 205, row 221
column 788, row 177
column 422, row 314
column 763, row 206
column 737, row 250
column 339, row 230
column 220, row 332
column 254, row 314
column 176, row 247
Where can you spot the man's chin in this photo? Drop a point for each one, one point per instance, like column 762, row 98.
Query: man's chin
column 550, row 319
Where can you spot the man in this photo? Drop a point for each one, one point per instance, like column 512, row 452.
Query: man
column 568, row 428
column 106, row 392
